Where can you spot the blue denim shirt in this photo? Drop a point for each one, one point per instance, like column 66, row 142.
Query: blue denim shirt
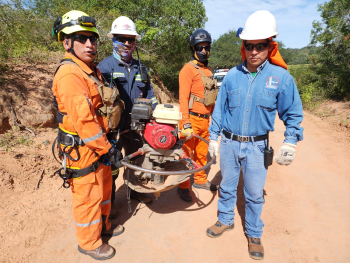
column 247, row 106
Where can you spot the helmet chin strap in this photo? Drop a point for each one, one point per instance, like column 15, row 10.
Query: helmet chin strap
column 71, row 49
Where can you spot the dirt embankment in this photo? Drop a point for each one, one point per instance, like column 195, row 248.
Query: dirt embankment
column 26, row 98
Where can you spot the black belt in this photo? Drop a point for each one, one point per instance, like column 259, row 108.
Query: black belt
column 239, row 138
column 76, row 173
column 67, row 139
column 205, row 116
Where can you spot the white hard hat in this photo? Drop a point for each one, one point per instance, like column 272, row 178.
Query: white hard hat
column 259, row 25
column 123, row 26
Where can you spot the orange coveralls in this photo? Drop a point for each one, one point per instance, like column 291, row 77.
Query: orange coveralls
column 78, row 97
column 190, row 82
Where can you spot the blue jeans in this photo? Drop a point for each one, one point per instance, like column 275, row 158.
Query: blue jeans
column 249, row 156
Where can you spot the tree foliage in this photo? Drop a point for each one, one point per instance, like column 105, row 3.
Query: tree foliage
column 164, row 25
column 331, row 63
column 226, row 51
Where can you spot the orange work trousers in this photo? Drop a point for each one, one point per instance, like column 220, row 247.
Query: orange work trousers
column 198, row 148
column 91, row 199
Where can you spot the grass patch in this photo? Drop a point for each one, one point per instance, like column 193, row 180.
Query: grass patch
column 11, row 140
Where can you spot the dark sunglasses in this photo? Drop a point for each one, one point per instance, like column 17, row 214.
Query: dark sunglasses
column 200, row 48
column 124, row 39
column 259, row 46
column 83, row 38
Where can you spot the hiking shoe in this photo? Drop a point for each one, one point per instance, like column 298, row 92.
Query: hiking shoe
column 103, row 252
column 115, row 230
column 255, row 248
column 207, row 186
column 141, row 197
column 218, row 229
column 185, row 194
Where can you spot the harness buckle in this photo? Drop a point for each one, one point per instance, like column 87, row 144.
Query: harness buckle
column 73, row 141
column 242, row 138
column 94, row 166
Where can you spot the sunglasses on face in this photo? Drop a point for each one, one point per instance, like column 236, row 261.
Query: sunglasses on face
column 124, row 39
column 83, row 38
column 259, row 46
column 200, row 48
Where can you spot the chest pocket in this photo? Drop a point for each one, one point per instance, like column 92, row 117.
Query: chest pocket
column 268, row 99
column 234, row 98
column 95, row 96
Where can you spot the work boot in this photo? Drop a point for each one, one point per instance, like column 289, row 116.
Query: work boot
column 185, row 194
column 207, row 186
column 255, row 248
column 103, row 252
column 218, row 229
column 141, row 197
column 115, row 230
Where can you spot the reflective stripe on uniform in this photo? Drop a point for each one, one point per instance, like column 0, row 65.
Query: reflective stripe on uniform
column 118, row 75
column 154, row 100
column 89, row 224
column 93, row 138
column 106, row 202
column 138, row 77
column 115, row 172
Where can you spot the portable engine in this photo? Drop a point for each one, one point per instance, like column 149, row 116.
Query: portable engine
column 162, row 150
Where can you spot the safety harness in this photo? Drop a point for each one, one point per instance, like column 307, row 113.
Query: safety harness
column 210, row 90
column 69, row 141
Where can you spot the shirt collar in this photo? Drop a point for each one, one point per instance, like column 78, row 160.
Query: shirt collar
column 259, row 68
column 133, row 64
column 81, row 64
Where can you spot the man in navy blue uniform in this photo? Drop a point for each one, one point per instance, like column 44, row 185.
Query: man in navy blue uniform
column 125, row 74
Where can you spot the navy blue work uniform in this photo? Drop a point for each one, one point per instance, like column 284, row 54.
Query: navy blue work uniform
column 130, row 86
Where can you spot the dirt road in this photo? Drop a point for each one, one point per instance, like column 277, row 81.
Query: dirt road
column 306, row 212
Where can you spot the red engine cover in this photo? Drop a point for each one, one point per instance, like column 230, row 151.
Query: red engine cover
column 159, row 136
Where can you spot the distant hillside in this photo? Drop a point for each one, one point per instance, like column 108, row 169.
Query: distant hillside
column 296, row 56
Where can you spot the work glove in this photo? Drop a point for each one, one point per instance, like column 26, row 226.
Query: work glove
column 286, row 154
column 186, row 130
column 114, row 156
column 213, row 148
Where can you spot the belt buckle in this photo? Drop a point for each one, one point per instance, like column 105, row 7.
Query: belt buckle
column 243, row 138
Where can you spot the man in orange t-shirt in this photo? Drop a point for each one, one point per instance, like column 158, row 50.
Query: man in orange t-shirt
column 195, row 115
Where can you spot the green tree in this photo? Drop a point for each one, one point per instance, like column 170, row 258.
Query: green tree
column 226, row 51
column 165, row 26
column 332, row 33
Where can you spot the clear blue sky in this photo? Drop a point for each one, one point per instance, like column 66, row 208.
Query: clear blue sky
column 294, row 17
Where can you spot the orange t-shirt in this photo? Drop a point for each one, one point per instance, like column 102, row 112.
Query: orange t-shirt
column 190, row 82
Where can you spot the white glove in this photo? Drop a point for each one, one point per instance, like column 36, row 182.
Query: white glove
column 286, row 154
column 213, row 148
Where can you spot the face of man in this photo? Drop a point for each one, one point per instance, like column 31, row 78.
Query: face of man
column 128, row 40
column 85, row 45
column 201, row 47
column 254, row 56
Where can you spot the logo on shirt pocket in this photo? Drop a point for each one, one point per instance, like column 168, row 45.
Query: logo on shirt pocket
column 272, row 82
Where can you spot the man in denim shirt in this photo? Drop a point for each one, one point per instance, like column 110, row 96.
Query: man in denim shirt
column 245, row 111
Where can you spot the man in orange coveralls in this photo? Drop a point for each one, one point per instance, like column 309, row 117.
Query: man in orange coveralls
column 195, row 115
column 78, row 99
